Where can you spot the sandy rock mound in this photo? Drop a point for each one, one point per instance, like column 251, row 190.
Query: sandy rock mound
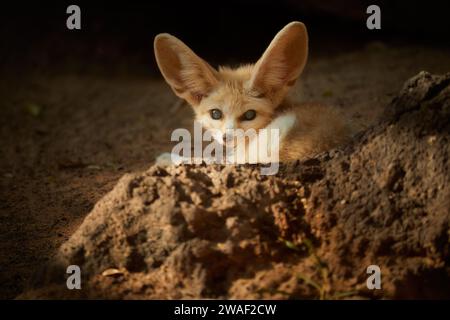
column 387, row 201
column 310, row 231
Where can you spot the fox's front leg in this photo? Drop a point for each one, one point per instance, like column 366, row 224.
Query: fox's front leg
column 248, row 153
column 236, row 157
column 173, row 159
column 168, row 159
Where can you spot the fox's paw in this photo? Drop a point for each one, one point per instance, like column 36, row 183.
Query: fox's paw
column 170, row 159
column 164, row 159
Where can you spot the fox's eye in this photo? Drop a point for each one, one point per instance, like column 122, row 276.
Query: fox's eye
column 249, row 115
column 216, row 114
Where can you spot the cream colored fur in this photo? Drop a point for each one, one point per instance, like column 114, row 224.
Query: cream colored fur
column 305, row 129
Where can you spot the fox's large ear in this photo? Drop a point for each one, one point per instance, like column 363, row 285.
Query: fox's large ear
column 282, row 62
column 190, row 77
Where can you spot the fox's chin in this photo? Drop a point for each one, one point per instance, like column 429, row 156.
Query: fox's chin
column 230, row 145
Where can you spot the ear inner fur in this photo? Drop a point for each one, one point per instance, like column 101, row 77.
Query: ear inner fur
column 190, row 77
column 282, row 62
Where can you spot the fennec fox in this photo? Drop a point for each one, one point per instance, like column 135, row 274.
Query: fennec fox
column 254, row 96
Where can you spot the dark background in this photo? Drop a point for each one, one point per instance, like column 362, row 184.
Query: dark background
column 79, row 108
column 34, row 35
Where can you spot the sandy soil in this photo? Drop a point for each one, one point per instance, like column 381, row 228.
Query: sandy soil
column 310, row 231
column 67, row 139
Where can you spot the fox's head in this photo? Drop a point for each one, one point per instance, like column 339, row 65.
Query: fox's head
column 242, row 98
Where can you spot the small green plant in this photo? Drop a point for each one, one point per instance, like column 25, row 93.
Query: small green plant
column 322, row 286
column 33, row 109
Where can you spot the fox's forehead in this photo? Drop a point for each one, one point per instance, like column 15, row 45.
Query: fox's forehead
column 231, row 100
column 232, row 94
column 228, row 96
column 238, row 75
